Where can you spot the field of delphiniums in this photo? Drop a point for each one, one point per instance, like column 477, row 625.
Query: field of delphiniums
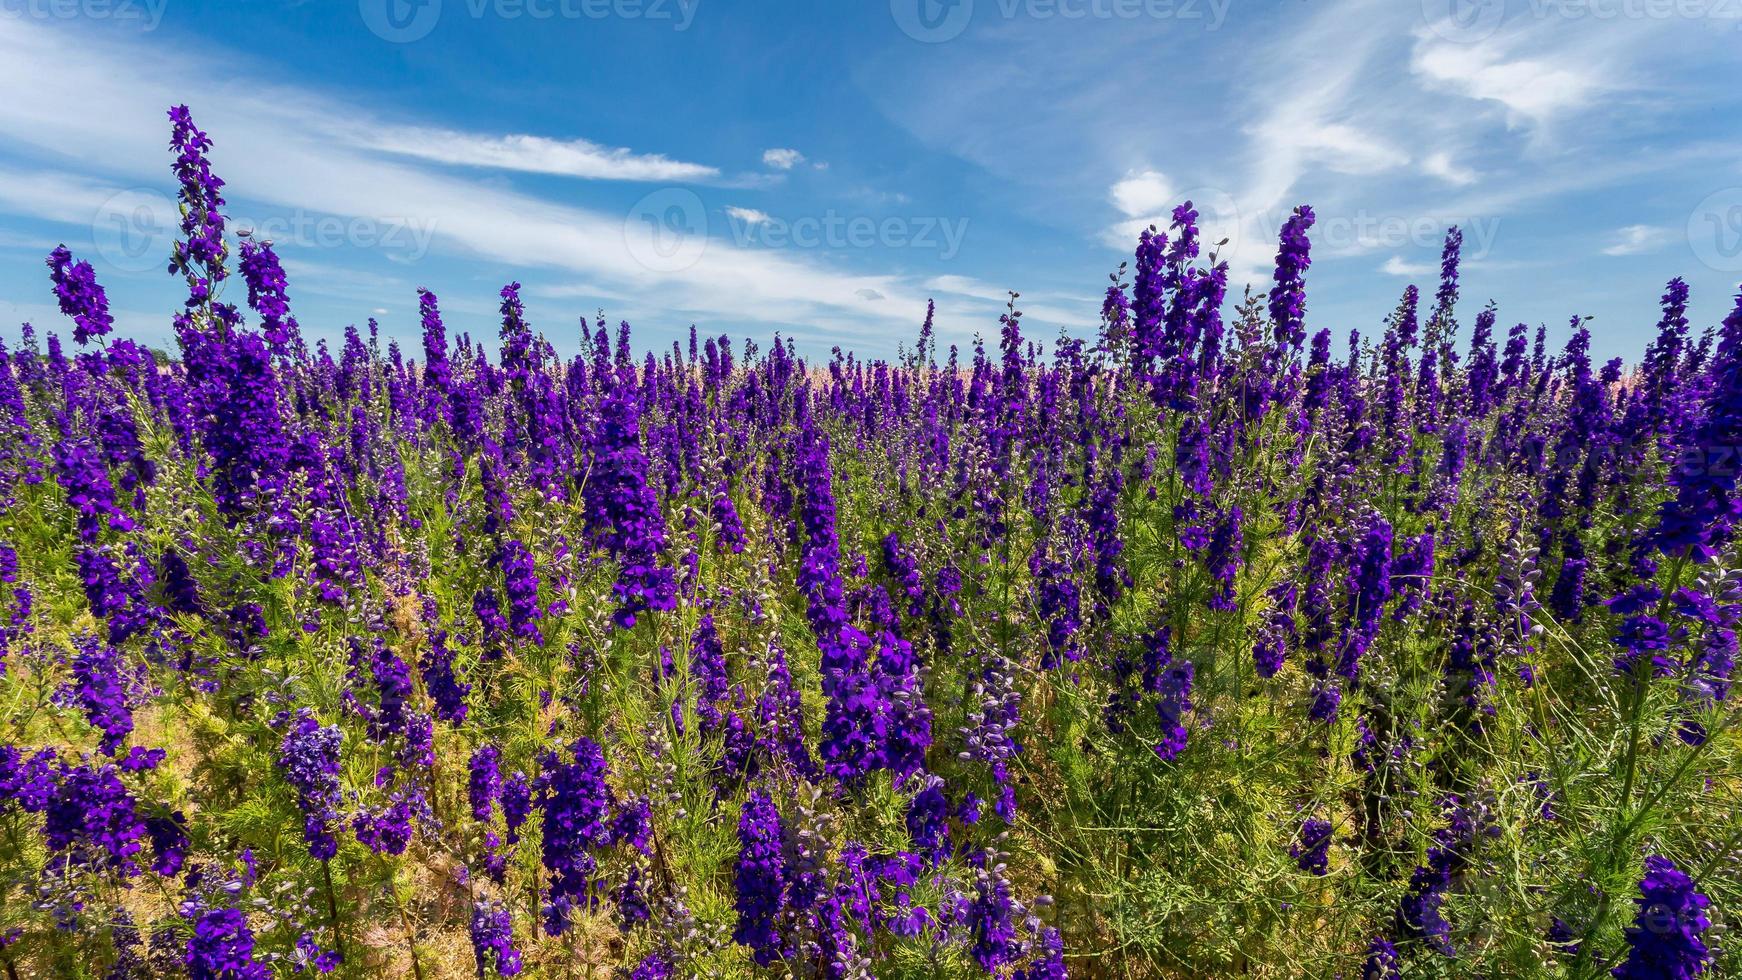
column 1223, row 643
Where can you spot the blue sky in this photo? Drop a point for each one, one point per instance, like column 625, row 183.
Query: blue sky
column 821, row 167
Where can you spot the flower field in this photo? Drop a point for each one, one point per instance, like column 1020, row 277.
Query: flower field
column 1225, row 643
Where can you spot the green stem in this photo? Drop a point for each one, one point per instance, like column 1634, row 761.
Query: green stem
column 1641, row 684
column 333, row 910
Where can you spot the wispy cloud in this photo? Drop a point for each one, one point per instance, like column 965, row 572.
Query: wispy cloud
column 1142, row 193
column 1440, row 164
column 749, row 216
column 782, row 158
column 1396, row 266
column 1637, row 240
column 530, row 154
column 1535, row 90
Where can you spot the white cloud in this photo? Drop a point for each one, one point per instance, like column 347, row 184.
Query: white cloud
column 1637, row 240
column 1338, row 147
column 530, row 154
column 1142, row 193
column 782, row 159
column 967, row 286
column 1538, row 91
column 1441, row 165
column 1395, row 266
column 63, row 197
column 749, row 216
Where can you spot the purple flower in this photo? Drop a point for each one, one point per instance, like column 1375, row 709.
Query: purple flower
column 101, row 685
column 310, row 954
column 1060, row 603
column 928, row 820
column 169, row 842
column 991, row 914
column 438, row 372
column 522, row 588
column 1382, row 963
column 1447, row 295
column 516, row 803
column 1699, row 519
column 708, row 672
column 222, row 947
column 93, row 813
column 493, row 940
column 1171, row 684
column 308, row 758
column 624, row 509
column 445, row 689
column 76, row 289
column 1643, row 639
column 577, row 813
column 1111, row 578
column 200, row 257
column 1288, row 295
column 1327, row 698
column 1369, row 589
column 760, row 880
column 1664, row 942
column 27, row 780
column 904, row 569
column 1270, row 648
column 387, row 829
column 236, row 394
column 266, row 292
column 390, row 715
column 1225, row 556
column 81, row 472
column 1421, row 914
column 725, row 514
column 181, row 593
column 484, row 783
column 654, row 966
column 1311, row 851
column 116, row 597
